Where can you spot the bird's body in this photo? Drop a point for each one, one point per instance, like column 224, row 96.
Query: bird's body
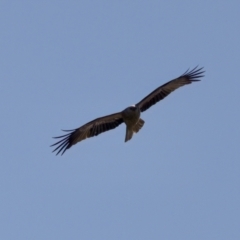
column 130, row 116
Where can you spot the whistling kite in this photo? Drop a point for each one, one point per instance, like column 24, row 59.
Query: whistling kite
column 130, row 116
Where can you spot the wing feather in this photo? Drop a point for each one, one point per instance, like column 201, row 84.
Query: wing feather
column 161, row 92
column 90, row 129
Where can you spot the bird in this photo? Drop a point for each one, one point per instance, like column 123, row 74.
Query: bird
column 130, row 116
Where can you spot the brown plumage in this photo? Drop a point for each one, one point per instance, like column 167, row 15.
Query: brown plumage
column 130, row 116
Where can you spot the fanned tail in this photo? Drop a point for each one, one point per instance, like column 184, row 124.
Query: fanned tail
column 138, row 125
column 135, row 129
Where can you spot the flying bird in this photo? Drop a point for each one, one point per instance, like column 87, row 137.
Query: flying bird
column 130, row 116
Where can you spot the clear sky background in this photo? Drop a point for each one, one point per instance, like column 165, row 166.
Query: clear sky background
column 64, row 63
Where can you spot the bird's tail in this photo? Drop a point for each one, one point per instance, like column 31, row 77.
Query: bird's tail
column 138, row 125
column 135, row 129
column 129, row 134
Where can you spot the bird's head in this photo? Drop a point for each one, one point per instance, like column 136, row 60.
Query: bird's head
column 132, row 108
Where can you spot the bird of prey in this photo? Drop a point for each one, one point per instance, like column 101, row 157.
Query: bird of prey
column 130, row 116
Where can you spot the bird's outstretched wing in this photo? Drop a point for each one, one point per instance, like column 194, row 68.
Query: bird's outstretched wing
column 90, row 129
column 164, row 90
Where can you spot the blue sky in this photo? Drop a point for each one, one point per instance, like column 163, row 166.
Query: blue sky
column 65, row 63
